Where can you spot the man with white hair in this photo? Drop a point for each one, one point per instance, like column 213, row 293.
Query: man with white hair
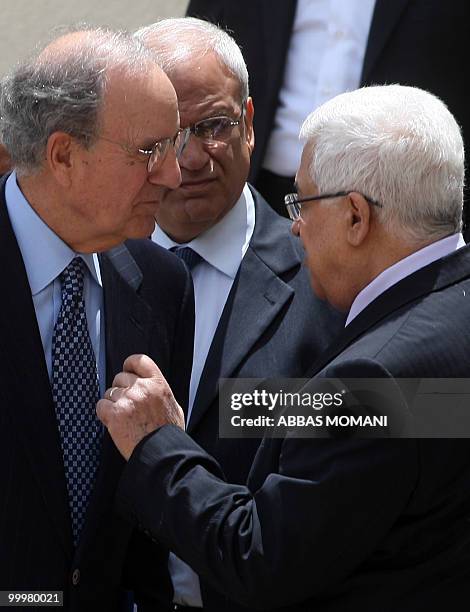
column 256, row 315
column 340, row 523
column 92, row 128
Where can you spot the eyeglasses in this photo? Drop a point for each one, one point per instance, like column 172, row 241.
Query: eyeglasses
column 294, row 203
column 214, row 129
column 157, row 154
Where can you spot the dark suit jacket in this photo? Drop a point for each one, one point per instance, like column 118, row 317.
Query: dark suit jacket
column 337, row 524
column 411, row 42
column 148, row 309
column 272, row 325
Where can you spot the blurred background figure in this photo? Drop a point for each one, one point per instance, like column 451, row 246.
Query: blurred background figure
column 300, row 53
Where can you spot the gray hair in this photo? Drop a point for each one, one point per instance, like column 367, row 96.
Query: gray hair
column 174, row 41
column 63, row 91
column 397, row 145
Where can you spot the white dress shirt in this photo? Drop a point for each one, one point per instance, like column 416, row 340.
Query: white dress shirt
column 325, row 57
column 222, row 249
column 402, row 269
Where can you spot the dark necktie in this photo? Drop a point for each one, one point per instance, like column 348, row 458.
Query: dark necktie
column 190, row 257
column 75, row 392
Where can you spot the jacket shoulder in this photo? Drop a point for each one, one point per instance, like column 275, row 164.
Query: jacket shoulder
column 155, row 261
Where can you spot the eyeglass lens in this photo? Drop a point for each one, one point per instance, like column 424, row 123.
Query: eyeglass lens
column 293, row 206
column 161, row 148
column 216, row 128
column 294, row 211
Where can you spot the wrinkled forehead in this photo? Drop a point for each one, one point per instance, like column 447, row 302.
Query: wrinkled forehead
column 204, row 82
column 144, row 99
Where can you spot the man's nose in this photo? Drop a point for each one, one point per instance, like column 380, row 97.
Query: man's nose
column 168, row 174
column 194, row 155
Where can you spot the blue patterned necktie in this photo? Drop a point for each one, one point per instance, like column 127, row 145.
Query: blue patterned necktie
column 75, row 392
column 190, row 257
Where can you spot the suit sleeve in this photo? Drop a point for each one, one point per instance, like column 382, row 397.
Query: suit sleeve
column 320, row 511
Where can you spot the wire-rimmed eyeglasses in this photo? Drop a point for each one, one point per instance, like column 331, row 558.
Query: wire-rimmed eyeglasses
column 157, row 153
column 294, row 203
column 214, row 129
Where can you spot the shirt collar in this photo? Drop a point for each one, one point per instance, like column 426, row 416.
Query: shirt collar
column 224, row 245
column 45, row 255
column 403, row 268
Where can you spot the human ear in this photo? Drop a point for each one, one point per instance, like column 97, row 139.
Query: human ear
column 249, row 132
column 358, row 219
column 60, row 156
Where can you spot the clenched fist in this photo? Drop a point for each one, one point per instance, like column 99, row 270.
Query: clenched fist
column 139, row 402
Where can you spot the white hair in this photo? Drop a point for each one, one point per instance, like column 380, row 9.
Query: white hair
column 176, row 40
column 397, row 145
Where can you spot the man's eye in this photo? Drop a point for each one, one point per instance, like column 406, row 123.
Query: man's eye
column 206, row 129
column 221, row 126
column 211, row 128
column 146, row 149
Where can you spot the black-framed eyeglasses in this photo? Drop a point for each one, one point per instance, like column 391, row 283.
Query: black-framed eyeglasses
column 157, row 153
column 294, row 203
column 214, row 129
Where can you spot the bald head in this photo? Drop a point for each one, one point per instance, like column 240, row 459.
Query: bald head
column 68, row 44
column 63, row 88
column 108, row 49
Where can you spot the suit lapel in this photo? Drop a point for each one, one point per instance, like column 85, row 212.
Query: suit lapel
column 257, row 296
column 434, row 277
column 127, row 322
column 128, row 319
column 384, row 20
column 31, row 407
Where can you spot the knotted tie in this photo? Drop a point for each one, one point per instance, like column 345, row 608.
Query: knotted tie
column 190, row 257
column 75, row 392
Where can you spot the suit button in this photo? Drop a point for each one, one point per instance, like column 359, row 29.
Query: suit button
column 76, row 577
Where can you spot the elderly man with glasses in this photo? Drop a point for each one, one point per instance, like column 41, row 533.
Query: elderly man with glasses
column 92, row 128
column 255, row 312
column 351, row 521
